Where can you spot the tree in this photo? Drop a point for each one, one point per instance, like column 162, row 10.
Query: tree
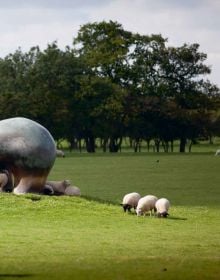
column 111, row 85
column 144, row 65
column 54, row 80
column 100, row 104
column 180, row 71
column 15, row 85
column 105, row 46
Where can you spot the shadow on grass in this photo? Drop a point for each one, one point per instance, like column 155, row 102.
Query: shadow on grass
column 15, row 275
column 33, row 197
column 152, row 217
column 99, row 200
column 177, row 218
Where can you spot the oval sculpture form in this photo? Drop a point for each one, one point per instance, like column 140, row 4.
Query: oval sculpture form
column 27, row 153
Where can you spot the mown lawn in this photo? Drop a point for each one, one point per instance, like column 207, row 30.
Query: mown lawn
column 91, row 237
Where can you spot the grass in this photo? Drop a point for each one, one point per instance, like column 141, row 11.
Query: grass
column 92, row 238
column 185, row 179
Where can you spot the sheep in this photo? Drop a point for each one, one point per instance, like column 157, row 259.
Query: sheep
column 48, row 190
column 6, row 181
column 60, row 153
column 58, row 187
column 217, row 153
column 162, row 205
column 145, row 204
column 3, row 181
column 72, row 190
column 130, row 200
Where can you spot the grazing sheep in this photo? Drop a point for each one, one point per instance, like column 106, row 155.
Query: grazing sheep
column 130, row 200
column 58, row 187
column 217, row 153
column 60, row 153
column 72, row 190
column 145, row 204
column 162, row 205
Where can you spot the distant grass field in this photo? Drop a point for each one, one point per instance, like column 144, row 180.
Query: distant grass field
column 188, row 179
column 92, row 238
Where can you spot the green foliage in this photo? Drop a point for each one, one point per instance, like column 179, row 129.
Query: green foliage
column 112, row 84
column 104, row 46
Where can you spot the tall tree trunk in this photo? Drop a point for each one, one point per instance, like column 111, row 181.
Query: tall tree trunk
column 190, row 145
column 80, row 145
column 137, row 145
column 182, row 144
column 73, row 144
column 148, row 145
column 165, row 146
column 130, row 142
column 171, row 145
column 114, row 145
column 157, row 144
column 120, row 143
column 104, row 144
column 90, row 144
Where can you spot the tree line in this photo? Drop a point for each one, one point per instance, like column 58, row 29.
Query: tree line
column 111, row 84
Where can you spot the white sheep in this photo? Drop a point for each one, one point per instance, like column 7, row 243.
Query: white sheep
column 72, row 190
column 162, row 205
column 145, row 204
column 58, row 187
column 130, row 200
column 217, row 153
column 60, row 153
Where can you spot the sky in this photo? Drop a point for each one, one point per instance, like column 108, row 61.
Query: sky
column 28, row 23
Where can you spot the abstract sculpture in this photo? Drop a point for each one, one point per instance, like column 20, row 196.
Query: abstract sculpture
column 27, row 154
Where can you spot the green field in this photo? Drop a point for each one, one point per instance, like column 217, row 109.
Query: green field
column 92, row 238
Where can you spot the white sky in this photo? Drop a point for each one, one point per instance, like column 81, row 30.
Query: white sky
column 28, row 23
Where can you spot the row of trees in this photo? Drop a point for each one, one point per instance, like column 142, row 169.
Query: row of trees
column 112, row 84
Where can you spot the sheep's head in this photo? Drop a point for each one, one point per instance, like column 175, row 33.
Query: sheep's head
column 139, row 212
column 66, row 183
column 126, row 207
column 48, row 190
column 162, row 215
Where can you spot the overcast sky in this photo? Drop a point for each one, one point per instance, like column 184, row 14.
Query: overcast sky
column 28, row 23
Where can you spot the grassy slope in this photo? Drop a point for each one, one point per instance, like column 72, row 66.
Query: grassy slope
column 66, row 237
